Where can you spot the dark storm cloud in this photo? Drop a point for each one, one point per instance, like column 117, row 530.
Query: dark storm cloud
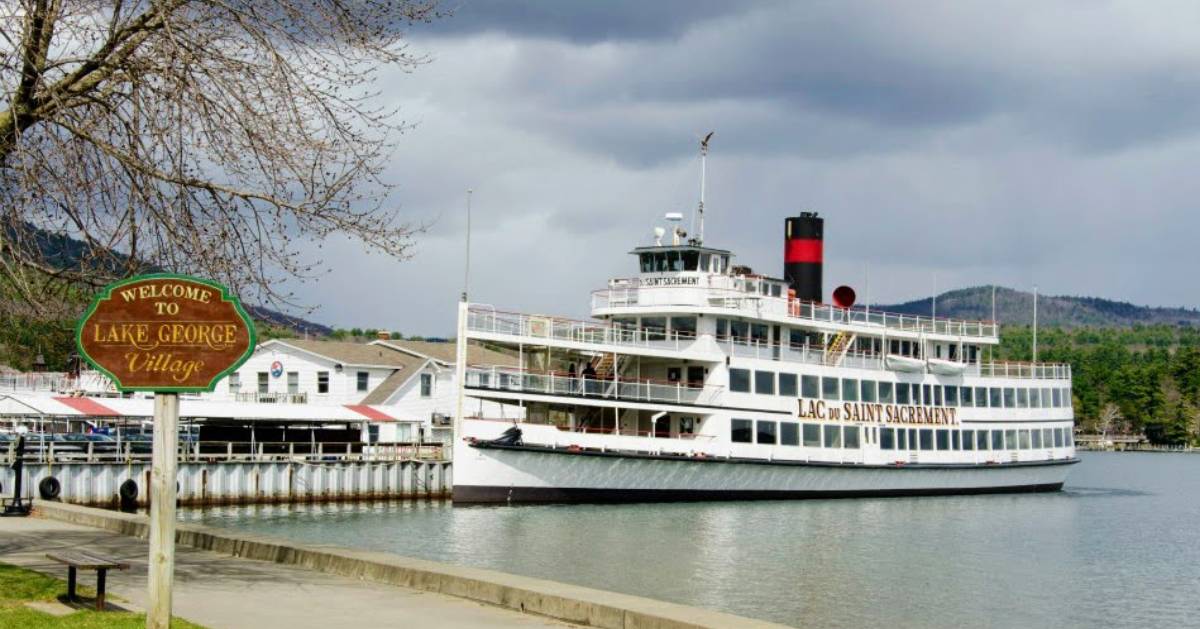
column 584, row 21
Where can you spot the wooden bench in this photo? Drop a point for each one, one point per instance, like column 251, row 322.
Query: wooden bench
column 76, row 560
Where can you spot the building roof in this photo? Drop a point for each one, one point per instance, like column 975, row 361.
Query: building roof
column 446, row 353
column 353, row 354
column 385, row 389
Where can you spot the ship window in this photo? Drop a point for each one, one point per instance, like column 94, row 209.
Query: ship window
column 937, row 395
column 758, row 332
column 1035, row 398
column 741, row 432
column 684, row 327
column 885, row 393
column 764, row 382
column 1022, row 398
column 674, row 261
column 995, row 398
column 740, row 330
column 902, row 397
column 810, row 387
column 1048, row 437
column 926, row 399
column 849, row 390
column 787, row 384
column 812, row 435
column 789, row 434
column 926, row 436
column 706, row 262
column 997, row 439
column 1058, row 398
column 722, row 328
column 981, row 397
column 1010, row 397
column 829, row 388
column 956, row 439
column 647, row 262
column 660, row 262
column 1066, row 398
column 776, row 290
column 739, row 380
column 967, row 399
column 1010, row 439
column 968, row 440
column 1036, row 438
column 655, row 327
column 766, row 432
column 951, row 396
column 1046, row 399
column 868, row 391
column 850, row 435
column 887, row 439
column 981, row 440
column 943, row 439
column 690, row 260
column 833, row 436
column 1068, row 437
column 901, row 439
column 1058, row 437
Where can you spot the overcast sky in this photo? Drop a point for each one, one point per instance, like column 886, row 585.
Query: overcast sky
column 1019, row 143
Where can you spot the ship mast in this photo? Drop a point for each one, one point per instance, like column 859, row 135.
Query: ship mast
column 703, row 171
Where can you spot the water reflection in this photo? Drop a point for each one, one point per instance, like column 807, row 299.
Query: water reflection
column 1116, row 549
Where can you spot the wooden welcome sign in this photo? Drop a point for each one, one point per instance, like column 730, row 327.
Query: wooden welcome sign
column 165, row 333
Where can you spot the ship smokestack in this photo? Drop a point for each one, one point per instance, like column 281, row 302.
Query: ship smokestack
column 803, row 255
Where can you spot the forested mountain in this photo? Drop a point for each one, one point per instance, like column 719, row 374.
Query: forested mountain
column 1014, row 306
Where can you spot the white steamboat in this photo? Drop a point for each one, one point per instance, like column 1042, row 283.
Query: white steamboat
column 700, row 380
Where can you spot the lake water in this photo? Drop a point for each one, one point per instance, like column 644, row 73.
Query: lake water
column 1119, row 547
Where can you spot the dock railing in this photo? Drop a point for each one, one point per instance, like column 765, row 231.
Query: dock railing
column 57, row 452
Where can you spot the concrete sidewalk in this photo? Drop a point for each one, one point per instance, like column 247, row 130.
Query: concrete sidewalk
column 223, row 592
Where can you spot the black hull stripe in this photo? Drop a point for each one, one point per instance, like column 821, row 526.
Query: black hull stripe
column 488, row 494
column 483, row 445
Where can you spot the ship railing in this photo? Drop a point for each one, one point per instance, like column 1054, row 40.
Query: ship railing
column 562, row 329
column 757, row 305
column 1010, row 369
column 499, row 378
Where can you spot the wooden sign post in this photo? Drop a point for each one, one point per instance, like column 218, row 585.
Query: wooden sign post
column 167, row 334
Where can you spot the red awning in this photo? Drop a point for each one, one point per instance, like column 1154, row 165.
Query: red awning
column 87, row 406
column 370, row 413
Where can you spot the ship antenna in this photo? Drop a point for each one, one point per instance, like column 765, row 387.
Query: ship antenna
column 703, row 171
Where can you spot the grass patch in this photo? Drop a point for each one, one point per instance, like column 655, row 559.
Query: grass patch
column 19, row 586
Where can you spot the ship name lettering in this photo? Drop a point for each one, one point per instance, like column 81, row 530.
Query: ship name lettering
column 875, row 413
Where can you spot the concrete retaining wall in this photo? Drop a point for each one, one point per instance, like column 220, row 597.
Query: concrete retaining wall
column 575, row 604
column 245, row 482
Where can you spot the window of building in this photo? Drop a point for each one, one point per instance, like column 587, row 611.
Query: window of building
column 968, row 440
column 764, row 382
column 766, row 432
column 995, row 398
column 787, row 384
column 849, row 389
column 833, row 436
column 997, row 439
column 943, row 439
column 739, row 380
column 812, row 435
column 810, row 387
column 293, row 381
column 789, row 434
column 363, row 378
column 742, row 431
column 322, row 382
column 372, row 433
column 829, row 388
column 850, row 436
column 264, row 382
column 886, row 395
column 887, row 439
column 1022, row 398
column 902, row 396
column 426, row 385
column 235, row 382
column 868, row 393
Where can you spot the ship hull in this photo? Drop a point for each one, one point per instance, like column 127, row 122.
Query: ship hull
column 523, row 474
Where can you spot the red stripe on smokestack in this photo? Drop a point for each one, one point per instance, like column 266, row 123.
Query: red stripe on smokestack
column 804, row 251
